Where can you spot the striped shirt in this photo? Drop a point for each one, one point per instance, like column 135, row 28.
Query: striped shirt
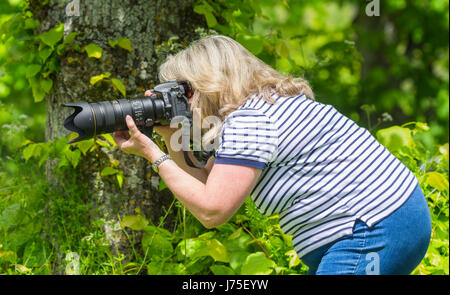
column 321, row 171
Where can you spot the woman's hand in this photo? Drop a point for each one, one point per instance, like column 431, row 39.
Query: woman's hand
column 137, row 143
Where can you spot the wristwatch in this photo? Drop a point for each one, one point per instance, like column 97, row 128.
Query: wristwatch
column 159, row 161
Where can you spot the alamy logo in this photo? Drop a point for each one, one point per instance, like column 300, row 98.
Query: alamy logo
column 73, row 8
column 373, row 8
column 373, row 267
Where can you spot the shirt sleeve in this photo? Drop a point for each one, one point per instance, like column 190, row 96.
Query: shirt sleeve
column 249, row 138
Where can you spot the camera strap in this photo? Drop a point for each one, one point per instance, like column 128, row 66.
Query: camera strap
column 201, row 164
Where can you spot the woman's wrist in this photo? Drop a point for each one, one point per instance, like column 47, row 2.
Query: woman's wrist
column 153, row 154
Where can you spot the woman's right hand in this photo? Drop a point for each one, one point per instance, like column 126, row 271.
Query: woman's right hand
column 164, row 131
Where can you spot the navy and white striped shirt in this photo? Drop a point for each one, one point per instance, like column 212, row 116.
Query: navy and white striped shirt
column 321, row 171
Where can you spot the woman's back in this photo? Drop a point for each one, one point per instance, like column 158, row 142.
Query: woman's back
column 321, row 170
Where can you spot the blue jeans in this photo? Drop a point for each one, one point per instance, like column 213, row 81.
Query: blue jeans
column 395, row 245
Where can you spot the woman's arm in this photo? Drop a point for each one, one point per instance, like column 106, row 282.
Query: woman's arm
column 213, row 202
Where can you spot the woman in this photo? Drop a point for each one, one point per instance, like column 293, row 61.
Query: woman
column 350, row 205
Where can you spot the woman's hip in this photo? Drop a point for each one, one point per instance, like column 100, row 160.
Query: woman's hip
column 395, row 245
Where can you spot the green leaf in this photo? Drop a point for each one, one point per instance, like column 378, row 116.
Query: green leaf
column 395, row 137
column 210, row 19
column 254, row 44
column 217, row 251
column 85, row 145
column 155, row 244
column 29, row 151
column 102, row 143
column 221, row 270
column 98, row 78
column 31, row 23
column 108, row 171
column 73, row 157
column 135, row 222
column 191, row 248
column 122, row 43
column 257, row 264
column 436, row 180
column 119, row 177
column 32, row 70
column 93, row 50
column 118, row 85
column 199, row 9
column 165, row 268
column 70, row 38
column 53, row 36
column 162, row 185
column 46, row 85
column 45, row 53
column 237, row 259
column 109, row 139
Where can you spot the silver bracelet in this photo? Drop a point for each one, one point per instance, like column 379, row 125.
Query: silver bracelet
column 159, row 161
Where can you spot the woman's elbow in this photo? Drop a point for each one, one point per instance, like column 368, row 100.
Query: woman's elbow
column 213, row 218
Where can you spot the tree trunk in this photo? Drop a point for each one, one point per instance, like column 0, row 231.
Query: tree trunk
column 146, row 24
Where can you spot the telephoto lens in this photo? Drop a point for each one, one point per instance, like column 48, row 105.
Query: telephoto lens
column 169, row 99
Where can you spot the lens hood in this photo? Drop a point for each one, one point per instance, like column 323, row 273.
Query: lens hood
column 82, row 121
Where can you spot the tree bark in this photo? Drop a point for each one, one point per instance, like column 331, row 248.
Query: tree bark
column 146, row 24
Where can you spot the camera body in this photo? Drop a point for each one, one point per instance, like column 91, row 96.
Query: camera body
column 167, row 101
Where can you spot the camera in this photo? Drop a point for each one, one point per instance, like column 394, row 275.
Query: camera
column 167, row 101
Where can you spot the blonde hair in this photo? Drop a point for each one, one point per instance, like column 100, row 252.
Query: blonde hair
column 224, row 75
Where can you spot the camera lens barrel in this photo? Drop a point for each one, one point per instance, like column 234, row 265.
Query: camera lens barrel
column 91, row 119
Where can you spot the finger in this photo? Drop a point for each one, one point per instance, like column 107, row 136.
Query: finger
column 148, row 93
column 132, row 126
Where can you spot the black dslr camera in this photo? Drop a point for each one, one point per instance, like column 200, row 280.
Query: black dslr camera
column 168, row 100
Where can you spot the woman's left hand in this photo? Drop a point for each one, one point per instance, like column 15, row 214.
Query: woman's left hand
column 137, row 143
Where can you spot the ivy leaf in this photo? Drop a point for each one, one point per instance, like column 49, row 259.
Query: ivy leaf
column 122, row 43
column 53, row 36
column 44, row 53
column 98, row 78
column 38, row 93
column 32, row 70
column 118, row 85
column 108, row 171
column 46, row 85
column 85, row 145
column 135, row 222
column 257, row 264
column 93, row 50
column 73, row 157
